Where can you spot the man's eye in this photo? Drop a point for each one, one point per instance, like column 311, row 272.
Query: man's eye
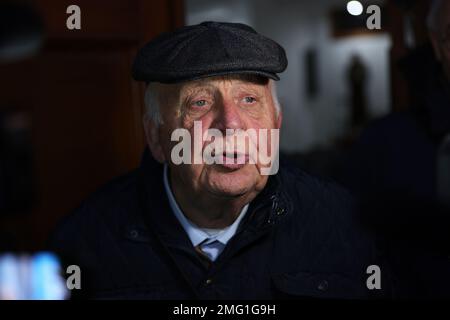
column 200, row 103
column 249, row 99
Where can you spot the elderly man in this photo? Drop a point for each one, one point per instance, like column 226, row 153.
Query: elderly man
column 220, row 229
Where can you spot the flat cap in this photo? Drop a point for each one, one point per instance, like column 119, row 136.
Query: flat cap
column 208, row 49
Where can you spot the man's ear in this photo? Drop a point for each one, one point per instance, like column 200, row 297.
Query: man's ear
column 436, row 47
column 152, row 135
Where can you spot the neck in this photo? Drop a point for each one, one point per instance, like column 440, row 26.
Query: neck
column 208, row 210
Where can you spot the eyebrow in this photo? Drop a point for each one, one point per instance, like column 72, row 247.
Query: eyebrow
column 187, row 92
column 199, row 85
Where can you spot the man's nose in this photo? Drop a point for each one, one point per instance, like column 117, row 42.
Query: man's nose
column 228, row 115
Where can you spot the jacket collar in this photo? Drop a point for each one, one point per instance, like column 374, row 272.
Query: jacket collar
column 156, row 211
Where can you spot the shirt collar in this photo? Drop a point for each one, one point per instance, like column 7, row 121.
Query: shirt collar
column 195, row 233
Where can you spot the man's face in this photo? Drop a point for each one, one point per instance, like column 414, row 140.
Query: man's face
column 217, row 103
column 441, row 38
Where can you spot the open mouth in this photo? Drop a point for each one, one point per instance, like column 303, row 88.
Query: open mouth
column 232, row 160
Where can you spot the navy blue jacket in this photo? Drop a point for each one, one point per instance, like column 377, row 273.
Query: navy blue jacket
column 300, row 239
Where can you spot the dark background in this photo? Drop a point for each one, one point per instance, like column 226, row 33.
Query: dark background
column 72, row 115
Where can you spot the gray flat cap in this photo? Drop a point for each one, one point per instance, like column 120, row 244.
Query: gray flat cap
column 208, row 49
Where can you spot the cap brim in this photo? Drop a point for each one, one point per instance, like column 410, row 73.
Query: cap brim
column 221, row 73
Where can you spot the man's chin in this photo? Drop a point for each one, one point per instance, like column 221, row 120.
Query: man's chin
column 230, row 181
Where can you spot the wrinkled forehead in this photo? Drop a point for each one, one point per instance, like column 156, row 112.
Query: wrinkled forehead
column 188, row 87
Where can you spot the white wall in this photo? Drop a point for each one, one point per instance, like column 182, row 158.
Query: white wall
column 198, row 11
column 298, row 25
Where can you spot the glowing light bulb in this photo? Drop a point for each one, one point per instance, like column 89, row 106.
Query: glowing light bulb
column 355, row 8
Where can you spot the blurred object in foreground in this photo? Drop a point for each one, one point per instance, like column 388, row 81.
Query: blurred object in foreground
column 21, row 32
column 36, row 277
column 16, row 166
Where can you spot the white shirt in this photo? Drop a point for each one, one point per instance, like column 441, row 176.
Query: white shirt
column 211, row 241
